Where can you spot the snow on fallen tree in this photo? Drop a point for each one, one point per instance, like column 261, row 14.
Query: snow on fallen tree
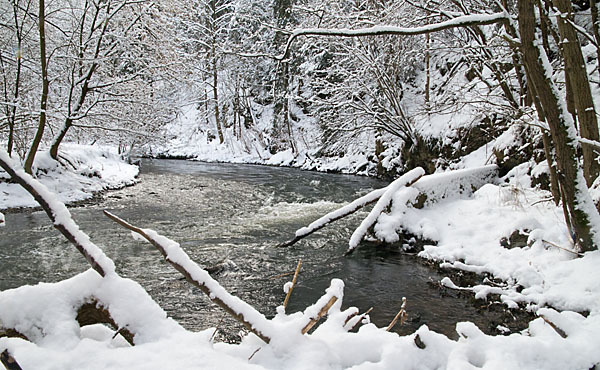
column 55, row 313
column 411, row 188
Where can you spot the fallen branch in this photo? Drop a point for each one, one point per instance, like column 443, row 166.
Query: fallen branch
column 172, row 252
column 60, row 216
column 403, row 181
column 8, row 361
column 338, row 214
column 289, row 292
column 346, row 210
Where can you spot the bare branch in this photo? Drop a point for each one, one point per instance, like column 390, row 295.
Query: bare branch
column 172, row 252
column 60, row 216
column 289, row 293
column 462, row 21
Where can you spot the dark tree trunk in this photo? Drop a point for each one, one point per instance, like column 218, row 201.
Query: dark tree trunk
column 570, row 176
column 44, row 98
column 579, row 86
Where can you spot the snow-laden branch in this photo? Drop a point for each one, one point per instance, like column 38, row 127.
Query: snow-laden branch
column 176, row 256
column 314, row 313
column 405, row 180
column 339, row 213
column 349, row 209
column 462, row 21
column 60, row 216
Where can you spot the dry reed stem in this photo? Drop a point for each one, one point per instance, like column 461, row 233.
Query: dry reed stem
column 289, row 293
column 401, row 315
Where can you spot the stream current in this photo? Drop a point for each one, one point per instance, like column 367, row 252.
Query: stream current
column 234, row 216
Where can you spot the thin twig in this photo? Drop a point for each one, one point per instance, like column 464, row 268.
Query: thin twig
column 289, row 292
column 558, row 330
column 360, row 318
column 562, row 248
column 321, row 313
column 401, row 315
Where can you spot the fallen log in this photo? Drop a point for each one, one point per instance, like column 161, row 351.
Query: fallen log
column 347, row 210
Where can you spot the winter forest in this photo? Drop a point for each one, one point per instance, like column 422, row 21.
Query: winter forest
column 297, row 184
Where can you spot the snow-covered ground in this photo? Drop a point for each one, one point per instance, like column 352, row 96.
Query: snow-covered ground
column 84, row 170
column 544, row 275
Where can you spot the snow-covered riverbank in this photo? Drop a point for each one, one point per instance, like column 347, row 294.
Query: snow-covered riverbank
column 84, row 171
column 561, row 288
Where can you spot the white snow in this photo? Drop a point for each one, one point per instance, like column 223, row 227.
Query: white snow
column 467, row 227
column 85, row 170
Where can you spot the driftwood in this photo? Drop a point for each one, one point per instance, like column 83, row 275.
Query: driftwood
column 95, row 313
column 8, row 361
column 289, row 292
column 205, row 288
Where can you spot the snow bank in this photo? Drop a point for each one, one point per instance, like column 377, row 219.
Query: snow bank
column 85, row 170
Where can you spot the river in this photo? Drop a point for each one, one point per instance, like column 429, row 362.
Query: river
column 235, row 215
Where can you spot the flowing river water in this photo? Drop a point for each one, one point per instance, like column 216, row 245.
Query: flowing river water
column 234, row 216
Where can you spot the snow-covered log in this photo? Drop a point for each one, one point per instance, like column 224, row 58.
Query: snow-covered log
column 256, row 322
column 406, row 180
column 60, row 216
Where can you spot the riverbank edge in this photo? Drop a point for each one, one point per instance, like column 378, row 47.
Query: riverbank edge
column 83, row 176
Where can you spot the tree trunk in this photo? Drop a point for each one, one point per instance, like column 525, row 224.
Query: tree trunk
column 580, row 87
column 427, row 70
column 595, row 26
column 44, row 98
column 215, row 73
column 215, row 80
column 564, row 137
